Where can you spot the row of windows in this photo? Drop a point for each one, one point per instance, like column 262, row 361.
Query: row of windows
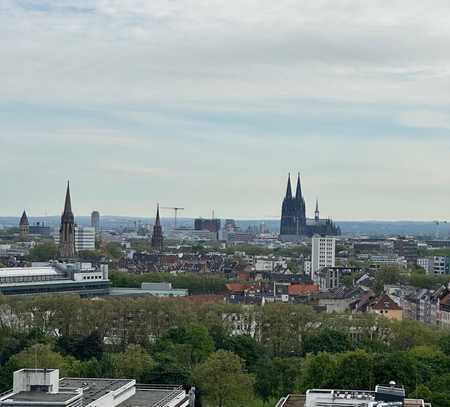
column 92, row 277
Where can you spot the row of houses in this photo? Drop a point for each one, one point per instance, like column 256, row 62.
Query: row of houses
column 431, row 307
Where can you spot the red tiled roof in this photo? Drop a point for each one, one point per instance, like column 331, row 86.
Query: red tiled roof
column 238, row 287
column 303, row 289
column 386, row 303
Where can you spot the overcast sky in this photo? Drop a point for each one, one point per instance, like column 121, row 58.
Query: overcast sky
column 208, row 104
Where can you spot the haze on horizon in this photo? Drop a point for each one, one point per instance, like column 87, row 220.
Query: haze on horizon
column 209, row 104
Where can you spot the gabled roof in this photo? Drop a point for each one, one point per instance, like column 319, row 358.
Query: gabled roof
column 386, row 303
column 238, row 287
column 303, row 289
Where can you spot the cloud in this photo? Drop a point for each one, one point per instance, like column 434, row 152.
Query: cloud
column 212, row 102
column 425, row 119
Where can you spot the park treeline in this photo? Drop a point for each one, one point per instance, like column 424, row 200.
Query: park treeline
column 198, row 283
column 280, row 349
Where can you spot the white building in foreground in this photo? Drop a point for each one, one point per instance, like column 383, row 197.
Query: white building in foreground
column 44, row 388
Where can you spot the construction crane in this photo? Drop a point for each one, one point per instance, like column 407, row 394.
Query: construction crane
column 175, row 210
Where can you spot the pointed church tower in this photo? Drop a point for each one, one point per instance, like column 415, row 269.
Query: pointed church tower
column 157, row 237
column 67, row 229
column 300, row 204
column 289, row 189
column 24, row 225
column 316, row 212
column 288, row 225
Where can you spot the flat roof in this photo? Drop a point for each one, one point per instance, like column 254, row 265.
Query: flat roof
column 93, row 389
column 35, row 396
column 151, row 397
column 28, row 271
column 143, row 291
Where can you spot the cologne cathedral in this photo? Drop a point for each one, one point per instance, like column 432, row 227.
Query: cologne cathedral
column 294, row 223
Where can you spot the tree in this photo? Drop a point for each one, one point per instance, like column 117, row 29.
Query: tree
column 444, row 344
column 277, row 377
column 223, row 381
column 319, row 371
column 82, row 347
column 327, row 340
column 43, row 252
column 114, row 250
column 134, row 363
column 354, row 370
column 40, row 356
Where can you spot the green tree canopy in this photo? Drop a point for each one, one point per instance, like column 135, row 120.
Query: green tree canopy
column 223, row 382
column 43, row 252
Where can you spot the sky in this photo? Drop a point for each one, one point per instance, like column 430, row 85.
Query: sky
column 208, row 104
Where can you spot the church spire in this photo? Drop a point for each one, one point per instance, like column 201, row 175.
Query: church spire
column 68, row 203
column 157, row 222
column 157, row 236
column 289, row 189
column 298, row 192
column 316, row 213
column 67, row 229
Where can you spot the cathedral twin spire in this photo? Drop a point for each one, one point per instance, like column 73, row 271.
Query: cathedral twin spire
column 298, row 192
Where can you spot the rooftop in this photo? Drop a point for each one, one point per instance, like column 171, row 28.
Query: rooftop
column 152, row 396
column 93, row 389
column 35, row 396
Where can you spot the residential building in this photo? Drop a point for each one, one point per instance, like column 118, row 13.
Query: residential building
column 388, row 260
column 407, row 248
column 55, row 278
column 426, row 263
column 443, row 303
column 341, row 299
column 440, row 265
column 43, row 388
column 323, row 254
column 84, row 238
column 387, row 307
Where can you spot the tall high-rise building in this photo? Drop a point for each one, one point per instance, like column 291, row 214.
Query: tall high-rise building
column 67, row 229
column 24, row 225
column 323, row 254
column 95, row 221
column 157, row 236
column 294, row 224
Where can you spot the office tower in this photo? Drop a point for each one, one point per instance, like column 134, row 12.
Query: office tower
column 95, row 221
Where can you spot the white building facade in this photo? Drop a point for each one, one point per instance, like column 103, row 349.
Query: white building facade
column 84, row 238
column 323, row 254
